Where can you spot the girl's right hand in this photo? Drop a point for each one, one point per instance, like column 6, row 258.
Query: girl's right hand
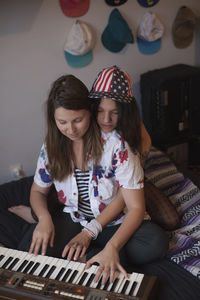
column 44, row 232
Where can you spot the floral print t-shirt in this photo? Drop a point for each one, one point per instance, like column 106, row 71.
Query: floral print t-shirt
column 118, row 167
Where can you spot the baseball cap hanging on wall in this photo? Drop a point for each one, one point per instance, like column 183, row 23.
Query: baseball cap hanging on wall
column 117, row 33
column 115, row 2
column 147, row 3
column 79, row 45
column 74, row 8
column 183, row 27
column 149, row 34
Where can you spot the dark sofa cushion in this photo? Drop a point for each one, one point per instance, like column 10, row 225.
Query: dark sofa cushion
column 160, row 208
column 16, row 192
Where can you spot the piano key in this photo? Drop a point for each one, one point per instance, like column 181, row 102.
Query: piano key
column 61, row 264
column 21, row 255
column 80, row 270
column 10, row 260
column 89, row 272
column 139, row 281
column 113, row 284
column 75, row 267
column 121, row 278
column 94, row 284
column 50, row 271
column 67, row 272
column 37, row 260
column 14, row 262
column 106, row 285
column 42, row 261
column 124, row 286
column 50, row 263
column 99, row 284
column 132, row 284
column 25, row 262
column 28, row 267
column 3, row 250
column 46, row 266
column 6, row 256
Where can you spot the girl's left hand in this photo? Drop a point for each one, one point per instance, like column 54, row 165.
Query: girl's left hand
column 108, row 260
column 77, row 246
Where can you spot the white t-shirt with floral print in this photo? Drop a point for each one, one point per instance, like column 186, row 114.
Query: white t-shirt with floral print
column 118, row 167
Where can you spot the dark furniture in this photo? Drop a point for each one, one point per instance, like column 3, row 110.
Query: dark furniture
column 171, row 110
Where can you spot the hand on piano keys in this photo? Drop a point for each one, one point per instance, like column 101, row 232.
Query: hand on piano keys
column 108, row 260
column 77, row 247
column 43, row 234
column 51, row 271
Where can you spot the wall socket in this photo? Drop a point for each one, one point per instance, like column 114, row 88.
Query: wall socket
column 17, row 171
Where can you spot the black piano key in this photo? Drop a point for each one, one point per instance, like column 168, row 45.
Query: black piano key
column 90, row 279
column 66, row 275
column 13, row 264
column 82, row 279
column 60, row 273
column 106, row 284
column 99, row 283
column 114, row 284
column 22, row 265
column 34, row 268
column 9, row 259
column 133, row 288
column 27, row 268
column 125, row 286
column 1, row 256
column 70, row 280
column 50, row 271
column 46, row 266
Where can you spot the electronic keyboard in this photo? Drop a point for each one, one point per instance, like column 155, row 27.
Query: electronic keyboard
column 26, row 276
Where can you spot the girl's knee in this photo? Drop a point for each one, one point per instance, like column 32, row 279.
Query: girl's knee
column 148, row 244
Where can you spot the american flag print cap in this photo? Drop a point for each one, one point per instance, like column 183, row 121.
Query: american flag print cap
column 112, row 83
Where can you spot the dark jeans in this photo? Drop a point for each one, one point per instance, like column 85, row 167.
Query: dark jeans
column 147, row 244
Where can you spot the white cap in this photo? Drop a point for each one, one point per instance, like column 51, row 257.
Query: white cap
column 80, row 39
column 150, row 28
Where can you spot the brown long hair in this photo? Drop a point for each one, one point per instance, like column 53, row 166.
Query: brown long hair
column 129, row 122
column 70, row 93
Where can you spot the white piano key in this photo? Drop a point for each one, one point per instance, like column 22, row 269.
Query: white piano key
column 62, row 263
column 75, row 267
column 14, row 254
column 50, row 261
column 52, row 267
column 21, row 255
column 69, row 266
column 7, row 255
column 42, row 260
column 3, row 250
column 90, row 271
column 28, row 257
column 121, row 278
column 80, row 270
column 139, row 281
column 94, row 284
column 132, row 279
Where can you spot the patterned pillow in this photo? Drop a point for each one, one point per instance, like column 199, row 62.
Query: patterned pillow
column 159, row 207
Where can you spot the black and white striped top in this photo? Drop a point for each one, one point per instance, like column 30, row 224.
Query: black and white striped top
column 82, row 179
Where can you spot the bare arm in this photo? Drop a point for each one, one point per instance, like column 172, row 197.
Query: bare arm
column 108, row 258
column 44, row 231
column 134, row 200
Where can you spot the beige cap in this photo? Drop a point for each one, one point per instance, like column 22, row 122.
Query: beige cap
column 183, row 27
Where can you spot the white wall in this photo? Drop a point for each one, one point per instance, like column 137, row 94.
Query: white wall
column 32, row 34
